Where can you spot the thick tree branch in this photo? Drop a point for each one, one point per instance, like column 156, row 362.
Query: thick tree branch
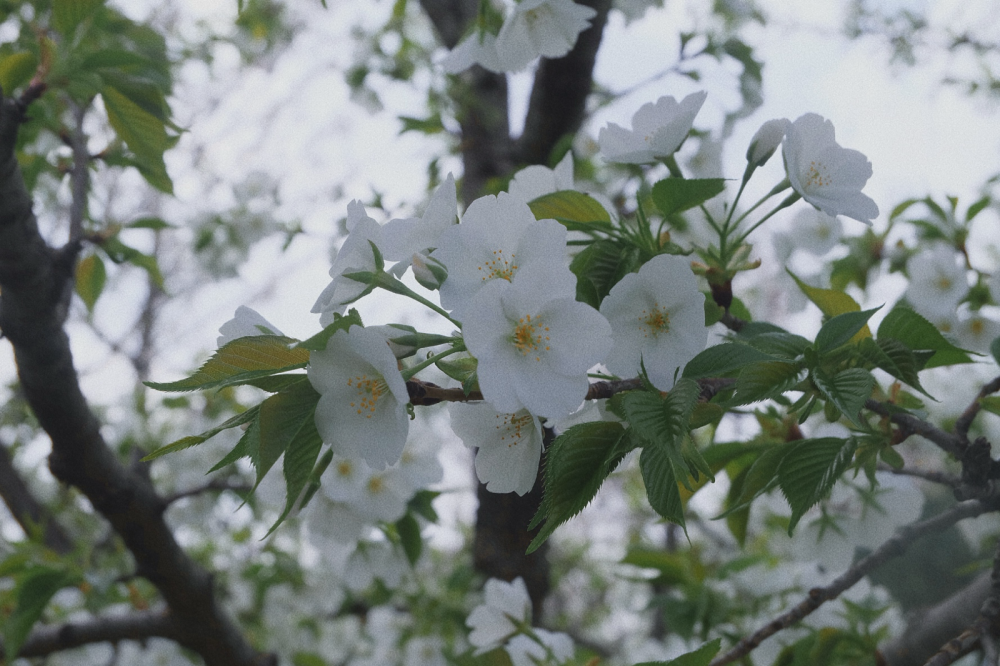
column 559, row 96
column 36, row 283
column 911, row 425
column 894, row 547
column 138, row 626
column 964, row 421
column 27, row 511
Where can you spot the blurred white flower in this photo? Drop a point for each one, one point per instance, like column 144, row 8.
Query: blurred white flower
column 536, row 28
column 975, row 331
column 525, row 651
column 937, row 282
column 534, row 350
column 499, row 239
column 425, row 651
column 419, row 235
column 373, row 561
column 510, row 445
column 815, row 232
column 633, row 10
column 825, row 174
column 479, row 48
column 355, row 255
column 658, row 130
column 361, row 411
column 536, row 180
column 246, row 322
column 493, row 621
column 657, row 318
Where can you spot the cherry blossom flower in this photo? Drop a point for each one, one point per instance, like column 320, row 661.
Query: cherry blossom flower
column 657, row 317
column 766, row 141
column 355, row 255
column 536, row 180
column 816, row 232
column 498, row 239
column 534, row 351
column 493, row 621
column 824, row 174
column 937, row 282
column 975, row 331
column 479, row 48
column 510, row 445
column 526, row 651
column 245, row 323
column 362, row 407
column 658, row 130
column 546, row 28
column 414, row 238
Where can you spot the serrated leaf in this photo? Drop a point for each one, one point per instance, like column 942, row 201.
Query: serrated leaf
column 285, row 418
column 830, row 302
column 569, row 206
column 918, row 334
column 91, row 277
column 721, row 360
column 576, row 464
column 17, row 70
column 701, row 657
column 676, row 195
column 808, row 472
column 32, row 595
column 340, row 322
column 847, row 390
column 895, row 358
column 844, row 328
column 661, row 484
column 247, row 447
column 757, row 479
column 409, row 536
column 194, row 440
column 68, row 14
column 241, row 361
column 762, row 381
column 300, row 458
column 782, row 344
column 143, row 132
column 599, row 267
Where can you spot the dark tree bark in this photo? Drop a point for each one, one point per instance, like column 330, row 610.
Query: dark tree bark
column 36, row 282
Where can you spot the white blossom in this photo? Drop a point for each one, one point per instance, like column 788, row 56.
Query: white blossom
column 815, row 232
column 362, row 406
column 246, row 322
column 498, row 239
column 658, row 130
column 534, row 351
column 493, row 621
column 975, row 331
column 657, row 317
column 825, row 174
column 526, row 651
column 536, row 180
column 417, row 236
column 937, row 281
column 355, row 255
column 510, row 445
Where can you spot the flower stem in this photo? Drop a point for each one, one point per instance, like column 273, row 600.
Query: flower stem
column 788, row 201
column 409, row 373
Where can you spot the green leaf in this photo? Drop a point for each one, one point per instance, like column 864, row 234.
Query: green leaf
column 154, row 223
column 247, row 447
column 569, row 206
column 143, row 132
column 241, row 361
column 68, row 14
column 830, row 302
column 895, row 358
column 847, row 390
column 809, row 470
column 409, row 535
column 844, row 328
column 300, row 455
column 660, row 478
column 782, row 344
column 16, row 70
column 90, row 279
column 430, row 125
column 918, row 334
column 721, row 360
column 995, row 350
column 676, row 195
column 760, row 477
column 120, row 253
column 285, row 419
column 599, row 267
column 194, row 440
column 341, row 322
column 576, row 464
column 764, row 380
column 33, row 592
column 701, row 657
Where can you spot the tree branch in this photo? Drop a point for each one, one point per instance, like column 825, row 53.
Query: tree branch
column 911, row 425
column 894, row 547
column 35, row 287
column 135, row 626
column 27, row 511
column 964, row 421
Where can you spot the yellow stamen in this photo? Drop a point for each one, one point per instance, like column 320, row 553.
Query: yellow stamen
column 654, row 321
column 510, row 425
column 369, row 389
column 530, row 337
column 499, row 267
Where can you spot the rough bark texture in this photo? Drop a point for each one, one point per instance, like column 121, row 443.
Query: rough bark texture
column 36, row 283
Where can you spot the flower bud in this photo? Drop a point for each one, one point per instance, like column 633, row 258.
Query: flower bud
column 429, row 272
column 766, row 141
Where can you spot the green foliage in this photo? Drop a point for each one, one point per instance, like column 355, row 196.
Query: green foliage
column 700, row 657
column 576, row 210
column 600, row 266
column 91, row 277
column 918, row 334
column 35, row 586
column 676, row 195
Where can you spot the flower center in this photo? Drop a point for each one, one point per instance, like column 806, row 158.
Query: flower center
column 816, row 176
column 345, row 468
column 499, row 267
column 977, row 326
column 376, row 484
column 531, row 337
column 509, row 427
column 943, row 283
column 369, row 390
column 654, row 321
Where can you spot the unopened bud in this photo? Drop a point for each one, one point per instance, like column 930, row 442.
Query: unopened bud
column 766, row 141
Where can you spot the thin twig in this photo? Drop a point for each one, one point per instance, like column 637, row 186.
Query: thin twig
column 964, row 421
column 817, row 596
column 943, row 478
column 215, row 484
column 912, row 425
